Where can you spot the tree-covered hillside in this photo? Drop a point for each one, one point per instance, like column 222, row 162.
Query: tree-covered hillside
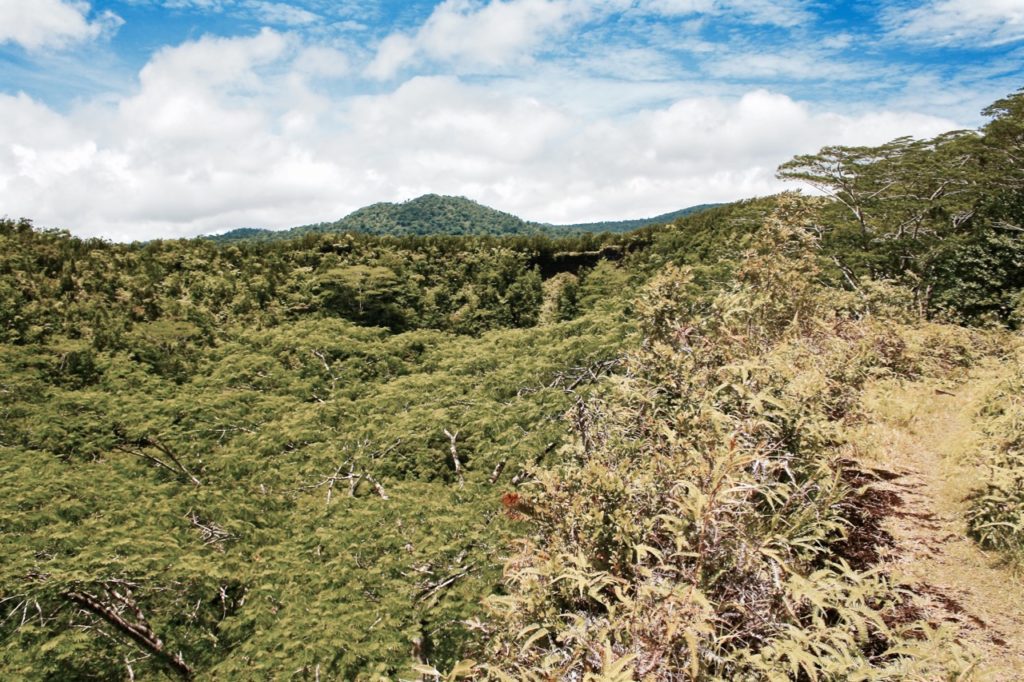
column 629, row 225
column 432, row 214
column 427, row 215
column 270, row 450
column 599, row 457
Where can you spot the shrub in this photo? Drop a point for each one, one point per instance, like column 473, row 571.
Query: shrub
column 996, row 517
column 693, row 531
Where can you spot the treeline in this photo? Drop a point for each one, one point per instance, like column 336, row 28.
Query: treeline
column 943, row 216
column 56, row 284
column 630, row 225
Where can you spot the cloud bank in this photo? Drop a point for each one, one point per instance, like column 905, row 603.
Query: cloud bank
column 52, row 23
column 227, row 132
column 556, row 110
column 959, row 22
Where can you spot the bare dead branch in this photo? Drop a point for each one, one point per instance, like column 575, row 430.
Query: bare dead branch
column 210, row 532
column 496, row 474
column 455, row 455
column 138, row 632
column 153, row 442
column 525, row 473
column 377, row 487
column 847, row 273
column 353, row 477
column 323, row 360
column 176, row 470
column 387, row 450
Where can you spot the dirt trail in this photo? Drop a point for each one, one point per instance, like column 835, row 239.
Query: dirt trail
column 922, row 437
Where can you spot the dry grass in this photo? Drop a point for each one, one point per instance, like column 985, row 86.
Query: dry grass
column 926, row 434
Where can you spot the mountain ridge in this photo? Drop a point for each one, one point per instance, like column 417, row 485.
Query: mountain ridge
column 435, row 214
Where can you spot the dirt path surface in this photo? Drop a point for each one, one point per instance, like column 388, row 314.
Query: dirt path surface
column 921, row 439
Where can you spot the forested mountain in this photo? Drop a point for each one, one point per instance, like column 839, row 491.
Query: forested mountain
column 593, row 457
column 427, row 215
column 432, row 214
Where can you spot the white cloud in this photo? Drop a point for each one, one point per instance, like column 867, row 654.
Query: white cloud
column 320, row 61
column 786, row 13
column 213, row 5
column 789, row 64
column 430, row 118
column 266, row 11
column 280, row 13
column 959, row 22
column 212, row 61
column 393, row 53
column 628, row 64
column 36, row 24
column 488, row 34
column 224, row 133
column 209, row 140
column 474, row 34
column 704, row 149
column 837, row 41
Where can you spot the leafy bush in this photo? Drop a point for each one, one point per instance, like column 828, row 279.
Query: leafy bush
column 996, row 518
column 695, row 526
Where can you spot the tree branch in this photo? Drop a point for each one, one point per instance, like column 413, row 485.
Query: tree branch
column 139, row 632
column 455, row 455
column 323, row 360
column 157, row 461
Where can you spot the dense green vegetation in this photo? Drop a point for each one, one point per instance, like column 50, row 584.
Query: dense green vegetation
column 238, row 455
column 943, row 215
column 439, row 215
column 997, row 511
column 347, row 456
column 702, row 523
column 429, row 214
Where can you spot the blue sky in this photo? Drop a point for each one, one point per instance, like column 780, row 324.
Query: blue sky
column 132, row 119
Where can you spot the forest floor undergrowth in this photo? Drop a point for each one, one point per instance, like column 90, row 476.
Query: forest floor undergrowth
column 920, row 441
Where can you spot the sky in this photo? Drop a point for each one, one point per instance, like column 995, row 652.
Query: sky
column 138, row 119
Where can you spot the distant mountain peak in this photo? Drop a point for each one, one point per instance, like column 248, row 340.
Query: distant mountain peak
column 438, row 214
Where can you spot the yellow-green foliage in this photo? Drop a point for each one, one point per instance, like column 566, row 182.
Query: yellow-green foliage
column 996, row 518
column 694, row 530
